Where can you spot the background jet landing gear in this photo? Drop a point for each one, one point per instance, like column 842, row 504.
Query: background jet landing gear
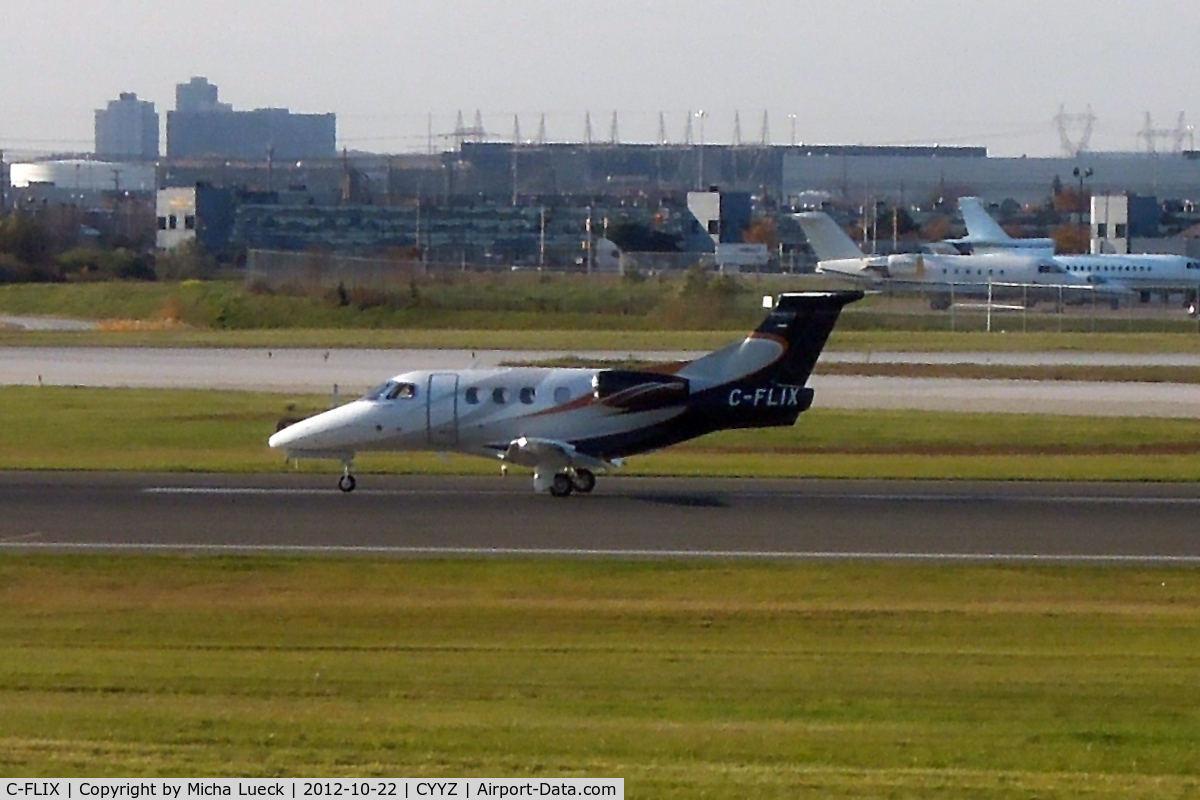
column 347, row 483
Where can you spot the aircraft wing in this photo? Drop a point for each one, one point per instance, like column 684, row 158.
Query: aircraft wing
column 551, row 455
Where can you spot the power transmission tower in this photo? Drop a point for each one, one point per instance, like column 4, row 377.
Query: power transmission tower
column 1082, row 124
column 1151, row 135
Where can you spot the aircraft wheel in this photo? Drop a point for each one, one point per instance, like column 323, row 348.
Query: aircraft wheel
column 347, row 483
column 561, row 486
column 583, row 481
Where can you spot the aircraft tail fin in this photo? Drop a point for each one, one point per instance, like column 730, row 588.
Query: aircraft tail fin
column 980, row 224
column 804, row 321
column 783, row 349
column 826, row 238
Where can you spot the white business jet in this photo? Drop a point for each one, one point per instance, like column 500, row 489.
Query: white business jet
column 1143, row 273
column 984, row 234
column 942, row 276
column 570, row 424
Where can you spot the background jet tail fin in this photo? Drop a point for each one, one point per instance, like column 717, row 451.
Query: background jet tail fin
column 826, row 238
column 979, row 222
column 804, row 321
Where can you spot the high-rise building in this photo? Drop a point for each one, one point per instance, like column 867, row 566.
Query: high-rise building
column 198, row 95
column 127, row 128
column 203, row 127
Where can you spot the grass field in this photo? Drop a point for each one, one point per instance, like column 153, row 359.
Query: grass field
column 127, row 429
column 548, row 312
column 688, row 680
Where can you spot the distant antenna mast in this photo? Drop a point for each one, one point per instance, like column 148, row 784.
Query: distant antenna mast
column 737, row 129
column 614, row 134
column 766, row 131
column 687, row 133
column 1079, row 124
column 662, row 129
column 516, row 140
column 541, row 134
column 587, row 128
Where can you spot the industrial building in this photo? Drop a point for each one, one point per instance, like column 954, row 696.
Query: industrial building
column 913, row 179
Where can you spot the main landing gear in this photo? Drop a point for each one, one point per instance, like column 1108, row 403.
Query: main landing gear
column 347, row 483
column 574, row 480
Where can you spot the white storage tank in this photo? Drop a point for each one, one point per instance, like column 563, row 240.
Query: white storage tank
column 84, row 176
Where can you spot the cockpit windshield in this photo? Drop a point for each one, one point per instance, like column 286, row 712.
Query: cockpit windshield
column 392, row 390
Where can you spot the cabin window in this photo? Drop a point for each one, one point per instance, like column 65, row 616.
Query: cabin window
column 562, row 394
column 189, row 222
column 500, row 395
column 1121, row 229
column 162, row 223
column 172, row 222
column 472, row 396
column 528, row 395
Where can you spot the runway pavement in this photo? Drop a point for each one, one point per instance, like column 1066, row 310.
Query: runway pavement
column 393, row 516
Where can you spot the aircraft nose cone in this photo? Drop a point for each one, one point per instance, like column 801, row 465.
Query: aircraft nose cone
column 338, row 428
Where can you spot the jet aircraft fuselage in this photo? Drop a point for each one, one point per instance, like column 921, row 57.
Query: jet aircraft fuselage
column 569, row 424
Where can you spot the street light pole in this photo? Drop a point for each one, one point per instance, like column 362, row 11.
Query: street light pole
column 1082, row 174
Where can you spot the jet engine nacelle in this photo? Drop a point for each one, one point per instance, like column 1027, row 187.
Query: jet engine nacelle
column 630, row 390
column 907, row 265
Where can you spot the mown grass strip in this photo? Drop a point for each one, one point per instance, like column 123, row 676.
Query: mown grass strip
column 557, row 336
column 719, row 679
column 545, row 312
column 181, row 430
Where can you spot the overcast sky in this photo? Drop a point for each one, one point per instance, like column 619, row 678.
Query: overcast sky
column 876, row 71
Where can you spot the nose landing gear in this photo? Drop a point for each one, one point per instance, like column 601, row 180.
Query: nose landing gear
column 347, row 483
